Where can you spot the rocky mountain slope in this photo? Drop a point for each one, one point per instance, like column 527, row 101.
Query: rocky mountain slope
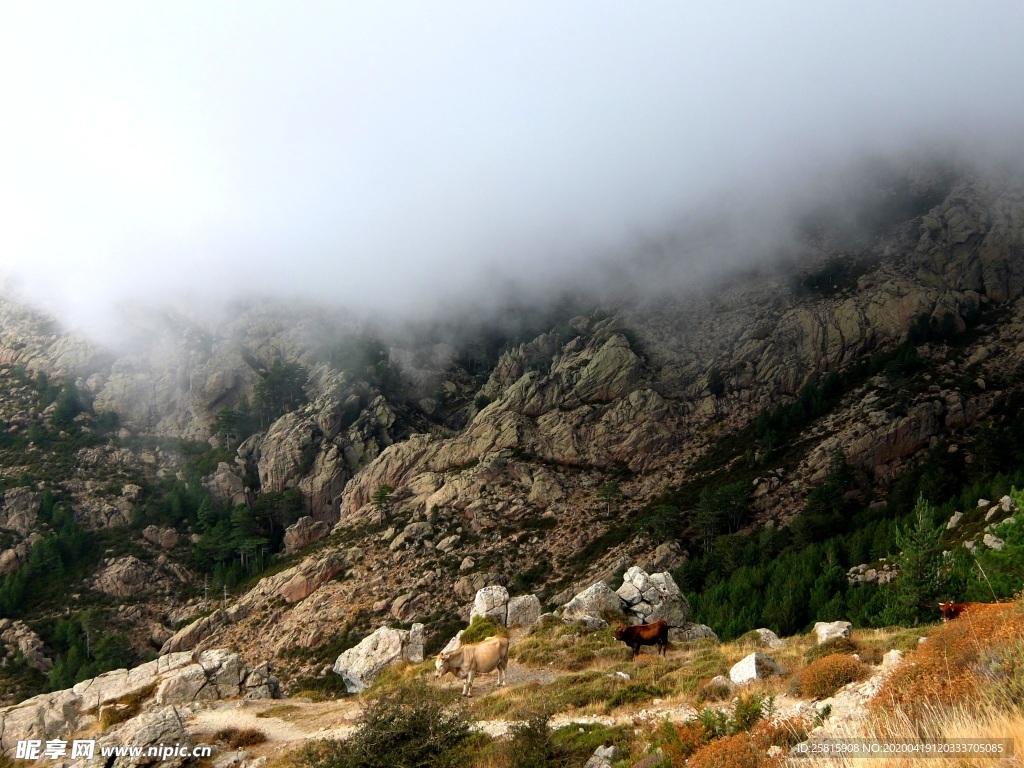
column 427, row 465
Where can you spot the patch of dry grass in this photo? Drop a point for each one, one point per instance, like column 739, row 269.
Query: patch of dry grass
column 954, row 664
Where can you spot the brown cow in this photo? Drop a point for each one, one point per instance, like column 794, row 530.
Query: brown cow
column 644, row 634
column 950, row 610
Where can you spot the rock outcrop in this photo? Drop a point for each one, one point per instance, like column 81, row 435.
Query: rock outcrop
column 22, row 641
column 125, row 577
column 173, row 679
column 304, row 532
column 359, row 666
column 654, row 597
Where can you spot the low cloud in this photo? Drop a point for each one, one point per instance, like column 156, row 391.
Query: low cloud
column 407, row 158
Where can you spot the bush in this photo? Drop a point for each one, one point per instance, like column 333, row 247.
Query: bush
column 826, row 676
column 410, row 724
column 829, row 647
column 480, row 628
column 736, row 751
column 236, row 738
column 712, row 691
column 678, row 741
column 633, row 693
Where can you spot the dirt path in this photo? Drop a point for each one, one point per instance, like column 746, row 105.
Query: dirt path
column 285, row 723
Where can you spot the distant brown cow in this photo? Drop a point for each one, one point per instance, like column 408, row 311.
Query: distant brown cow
column 950, row 610
column 644, row 634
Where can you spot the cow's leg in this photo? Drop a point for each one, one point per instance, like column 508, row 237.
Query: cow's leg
column 467, row 689
column 501, row 673
column 636, row 651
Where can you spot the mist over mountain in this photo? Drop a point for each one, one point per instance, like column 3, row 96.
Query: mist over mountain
column 404, row 161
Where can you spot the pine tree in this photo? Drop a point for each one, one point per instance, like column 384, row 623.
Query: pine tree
column 922, row 580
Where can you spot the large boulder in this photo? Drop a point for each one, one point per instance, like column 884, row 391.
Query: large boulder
column 491, row 602
column 159, row 727
column 359, row 666
column 829, row 630
column 690, row 632
column 125, row 577
column 523, row 611
column 304, row 532
column 756, row 666
column 167, row 538
column 769, row 638
column 591, row 603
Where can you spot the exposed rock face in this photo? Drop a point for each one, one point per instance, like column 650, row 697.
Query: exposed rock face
column 299, row 582
column 756, row 666
column 167, row 538
column 176, row 678
column 359, row 666
column 225, row 484
column 304, row 532
column 19, row 510
column 187, row 638
column 125, row 577
column 19, row 639
column 829, row 630
column 217, row 674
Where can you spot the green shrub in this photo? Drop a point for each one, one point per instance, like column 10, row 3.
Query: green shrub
column 411, row 724
column 480, row 628
column 633, row 693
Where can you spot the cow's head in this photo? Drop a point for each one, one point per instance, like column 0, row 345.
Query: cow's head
column 620, row 633
column 441, row 666
column 947, row 610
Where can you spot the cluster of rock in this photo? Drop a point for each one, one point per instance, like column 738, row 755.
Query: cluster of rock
column 865, row 574
column 177, row 678
column 494, row 602
column 997, row 516
column 21, row 641
column 758, row 665
column 643, row 598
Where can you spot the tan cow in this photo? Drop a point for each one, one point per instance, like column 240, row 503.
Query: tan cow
column 469, row 660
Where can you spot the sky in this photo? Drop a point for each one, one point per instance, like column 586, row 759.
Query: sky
column 400, row 156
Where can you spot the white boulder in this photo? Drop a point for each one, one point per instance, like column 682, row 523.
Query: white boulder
column 359, row 666
column 755, row 666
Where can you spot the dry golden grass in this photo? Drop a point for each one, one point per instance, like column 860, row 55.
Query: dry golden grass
column 935, row 723
column 950, row 667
